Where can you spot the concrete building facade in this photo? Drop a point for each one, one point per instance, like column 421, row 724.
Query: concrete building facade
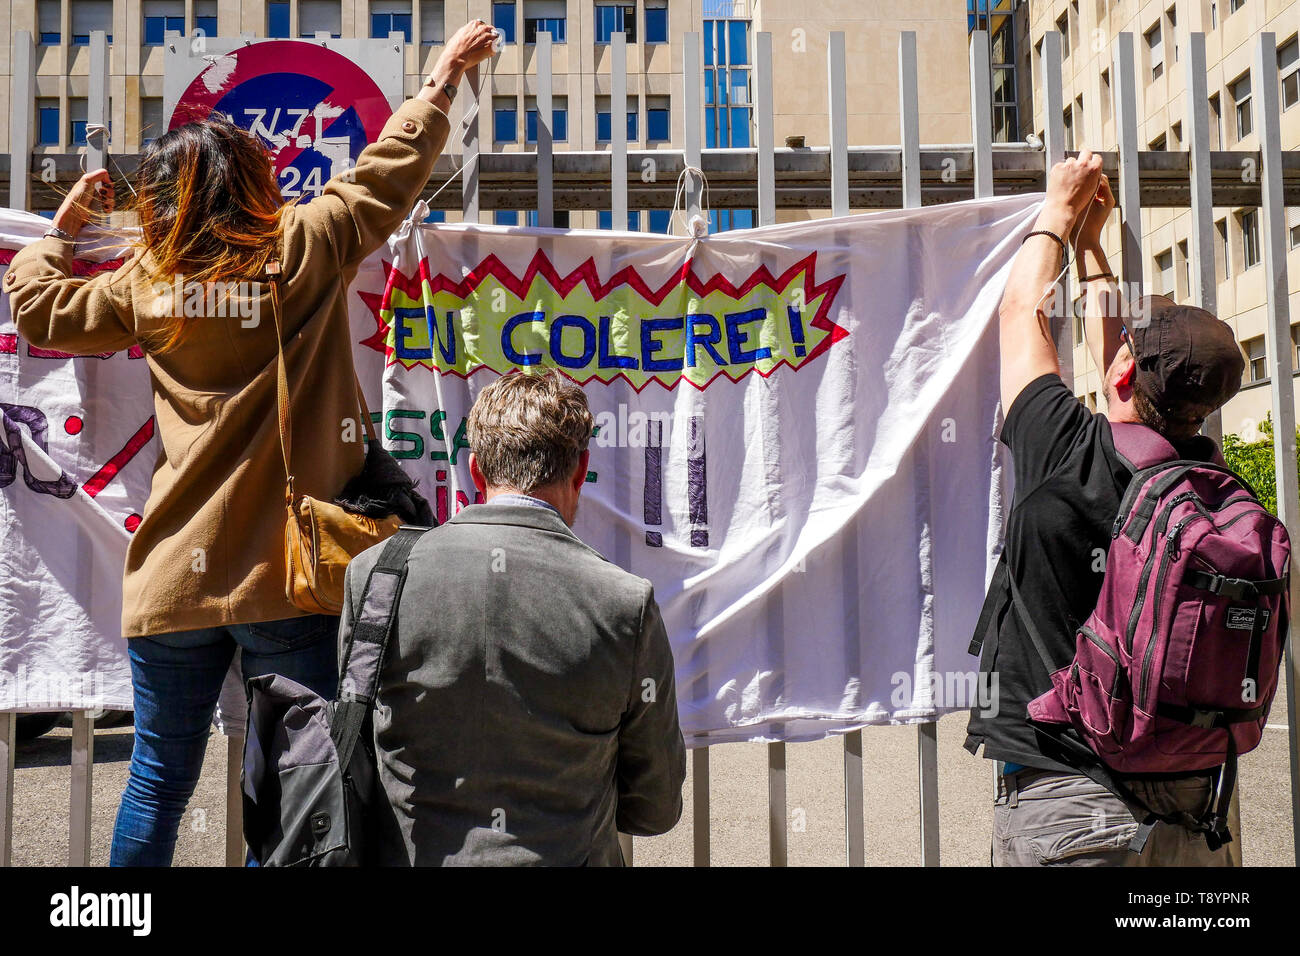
column 1231, row 29
column 580, row 66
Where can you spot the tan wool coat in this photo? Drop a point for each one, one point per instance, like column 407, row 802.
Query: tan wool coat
column 209, row 549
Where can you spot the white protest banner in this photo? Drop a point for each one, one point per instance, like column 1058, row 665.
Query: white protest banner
column 796, row 443
column 77, row 450
column 796, row 436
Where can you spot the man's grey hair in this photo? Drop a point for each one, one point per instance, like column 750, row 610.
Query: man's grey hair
column 529, row 430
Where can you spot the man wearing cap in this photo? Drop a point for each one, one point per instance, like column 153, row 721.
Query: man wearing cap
column 1167, row 367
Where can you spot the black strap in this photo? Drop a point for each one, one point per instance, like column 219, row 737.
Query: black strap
column 363, row 657
column 1211, row 719
column 1031, row 628
column 1236, row 588
column 994, row 601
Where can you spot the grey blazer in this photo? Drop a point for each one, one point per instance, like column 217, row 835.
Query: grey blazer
column 527, row 710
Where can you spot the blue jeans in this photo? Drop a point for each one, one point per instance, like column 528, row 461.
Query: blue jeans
column 176, row 679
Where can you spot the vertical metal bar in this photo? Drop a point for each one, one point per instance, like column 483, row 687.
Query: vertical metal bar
column 837, row 87
column 618, row 220
column 22, row 104
column 927, row 741
column 778, row 842
column 766, row 131
column 8, row 739
column 1204, row 283
column 469, row 149
column 618, row 130
column 545, row 183
column 83, row 779
column 909, row 119
column 981, row 116
column 1054, row 141
column 1278, row 346
column 1124, row 83
column 234, row 801
column 692, row 83
column 855, row 839
column 700, row 804
column 97, row 101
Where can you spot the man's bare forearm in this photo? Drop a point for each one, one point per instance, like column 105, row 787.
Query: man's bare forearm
column 1102, row 321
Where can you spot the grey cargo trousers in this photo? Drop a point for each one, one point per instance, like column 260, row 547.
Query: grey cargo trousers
column 1046, row 818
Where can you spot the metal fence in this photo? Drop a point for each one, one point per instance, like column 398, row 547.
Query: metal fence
column 839, row 178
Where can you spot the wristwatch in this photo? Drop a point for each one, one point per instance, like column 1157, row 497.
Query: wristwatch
column 58, row 233
column 448, row 88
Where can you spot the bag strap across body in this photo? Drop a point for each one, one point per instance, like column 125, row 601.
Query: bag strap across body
column 363, row 657
column 283, row 420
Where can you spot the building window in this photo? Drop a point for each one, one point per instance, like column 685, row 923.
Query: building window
column 1063, row 27
column 657, row 127
column 1222, row 261
column 1293, row 229
column 433, row 22
column 277, row 20
column 1256, row 359
column 1176, row 134
column 1158, row 144
column 390, row 16
column 162, row 17
column 1002, row 61
column 1249, row 238
column 1235, row 5
column 656, row 21
column 506, row 217
column 88, row 16
column 48, row 28
column 47, row 122
column 660, row 221
column 728, row 112
column 1164, row 263
column 1186, row 260
column 1214, row 16
column 1216, row 123
column 1240, row 91
column 559, row 119
column 604, row 132
column 1288, row 68
column 614, row 18
column 1067, row 123
column 151, row 119
column 77, row 110
column 605, row 220
column 1154, row 52
column 545, row 16
column 503, row 18
column 1172, row 16
column 505, row 120
column 205, row 18
column 559, row 218
column 724, row 220
column 320, row 16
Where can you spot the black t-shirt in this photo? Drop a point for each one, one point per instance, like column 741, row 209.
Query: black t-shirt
column 1069, row 484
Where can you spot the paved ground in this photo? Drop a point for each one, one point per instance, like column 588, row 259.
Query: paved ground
column 739, row 795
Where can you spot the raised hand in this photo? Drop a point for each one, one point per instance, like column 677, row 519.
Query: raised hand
column 79, row 205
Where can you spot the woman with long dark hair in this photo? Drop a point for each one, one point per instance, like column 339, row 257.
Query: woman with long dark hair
column 205, row 569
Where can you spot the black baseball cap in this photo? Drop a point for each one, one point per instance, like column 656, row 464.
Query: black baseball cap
column 1188, row 360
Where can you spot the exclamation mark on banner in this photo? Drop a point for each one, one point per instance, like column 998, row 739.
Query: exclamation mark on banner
column 696, row 492
column 654, row 481
column 796, row 330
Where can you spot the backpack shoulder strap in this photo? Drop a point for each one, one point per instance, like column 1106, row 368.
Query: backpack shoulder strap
column 1141, row 447
column 364, row 655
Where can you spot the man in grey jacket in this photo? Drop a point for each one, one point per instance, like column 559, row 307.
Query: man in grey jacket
column 527, row 711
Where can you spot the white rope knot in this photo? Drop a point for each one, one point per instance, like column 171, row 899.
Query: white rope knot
column 697, row 226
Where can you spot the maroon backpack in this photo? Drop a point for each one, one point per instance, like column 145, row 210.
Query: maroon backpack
column 1177, row 666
